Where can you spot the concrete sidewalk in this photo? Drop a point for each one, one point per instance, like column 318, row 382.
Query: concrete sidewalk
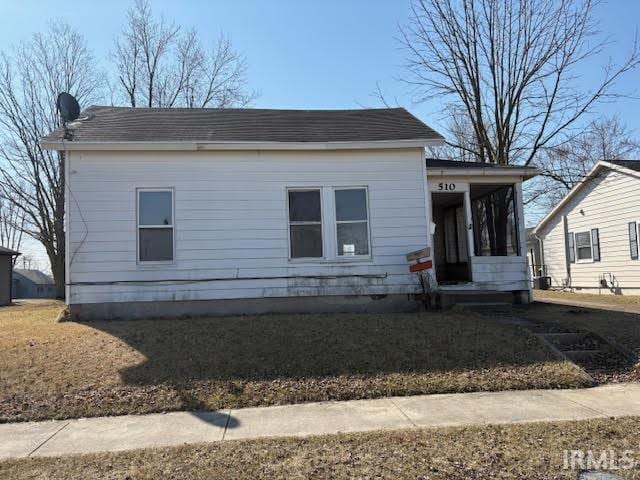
column 107, row 434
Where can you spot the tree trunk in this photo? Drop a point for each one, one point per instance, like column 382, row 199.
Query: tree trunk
column 57, row 269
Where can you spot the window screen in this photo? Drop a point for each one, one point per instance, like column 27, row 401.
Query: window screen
column 155, row 226
column 583, row 246
column 305, row 223
column 352, row 221
column 495, row 224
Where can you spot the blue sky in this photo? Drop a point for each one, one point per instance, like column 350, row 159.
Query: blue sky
column 315, row 54
column 304, row 53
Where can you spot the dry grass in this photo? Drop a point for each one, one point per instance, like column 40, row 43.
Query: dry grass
column 531, row 451
column 66, row 370
column 622, row 327
column 605, row 299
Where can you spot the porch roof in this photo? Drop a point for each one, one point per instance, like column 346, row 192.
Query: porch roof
column 438, row 166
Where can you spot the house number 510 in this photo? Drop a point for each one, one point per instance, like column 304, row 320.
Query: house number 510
column 448, row 187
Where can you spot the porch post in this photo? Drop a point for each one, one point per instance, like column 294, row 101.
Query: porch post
column 469, row 224
column 519, row 207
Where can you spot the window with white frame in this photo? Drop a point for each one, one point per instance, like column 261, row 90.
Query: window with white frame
column 584, row 246
column 352, row 222
column 305, row 223
column 155, row 225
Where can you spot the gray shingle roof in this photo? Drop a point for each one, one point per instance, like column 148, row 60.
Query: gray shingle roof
column 8, row 251
column 36, row 276
column 124, row 124
column 444, row 163
column 630, row 164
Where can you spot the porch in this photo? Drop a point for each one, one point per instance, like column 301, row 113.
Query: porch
column 477, row 227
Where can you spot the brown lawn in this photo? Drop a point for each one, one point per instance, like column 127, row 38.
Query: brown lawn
column 526, row 451
column 621, row 327
column 66, row 370
column 616, row 300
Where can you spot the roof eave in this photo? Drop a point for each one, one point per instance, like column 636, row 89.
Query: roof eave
column 525, row 172
column 204, row 146
column 589, row 176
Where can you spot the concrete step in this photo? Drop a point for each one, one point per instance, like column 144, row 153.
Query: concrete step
column 563, row 339
column 582, row 355
column 500, row 309
column 484, row 305
column 449, row 298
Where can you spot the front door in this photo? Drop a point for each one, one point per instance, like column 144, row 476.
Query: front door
column 451, row 252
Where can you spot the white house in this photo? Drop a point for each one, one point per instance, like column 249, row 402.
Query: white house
column 190, row 211
column 590, row 239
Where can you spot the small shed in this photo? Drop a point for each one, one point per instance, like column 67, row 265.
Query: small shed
column 6, row 266
column 31, row 283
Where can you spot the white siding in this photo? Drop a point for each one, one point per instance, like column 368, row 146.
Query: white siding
column 500, row 273
column 607, row 203
column 231, row 222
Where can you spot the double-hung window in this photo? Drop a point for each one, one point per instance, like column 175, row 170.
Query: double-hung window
column 155, row 225
column 305, row 223
column 584, row 246
column 328, row 222
column 352, row 222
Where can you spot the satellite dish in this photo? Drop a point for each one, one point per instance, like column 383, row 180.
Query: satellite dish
column 68, row 107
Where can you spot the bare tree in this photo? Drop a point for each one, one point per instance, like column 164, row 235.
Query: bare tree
column 12, row 225
column 160, row 65
column 510, row 66
column 31, row 179
column 565, row 165
column 28, row 263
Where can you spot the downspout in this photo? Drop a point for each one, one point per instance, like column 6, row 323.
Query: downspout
column 541, row 250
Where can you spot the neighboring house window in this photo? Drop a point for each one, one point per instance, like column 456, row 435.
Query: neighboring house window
column 583, row 246
column 352, row 221
column 305, row 223
column 155, row 225
column 633, row 240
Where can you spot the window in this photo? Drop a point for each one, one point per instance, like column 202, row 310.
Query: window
column 633, row 240
column 305, row 223
column 583, row 246
column 352, row 222
column 155, row 225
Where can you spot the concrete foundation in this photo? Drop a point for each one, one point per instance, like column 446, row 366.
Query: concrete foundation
column 522, row 297
column 245, row 306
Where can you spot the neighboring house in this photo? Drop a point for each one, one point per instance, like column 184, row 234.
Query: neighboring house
column 534, row 254
column 6, row 264
column 590, row 239
column 196, row 211
column 29, row 283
